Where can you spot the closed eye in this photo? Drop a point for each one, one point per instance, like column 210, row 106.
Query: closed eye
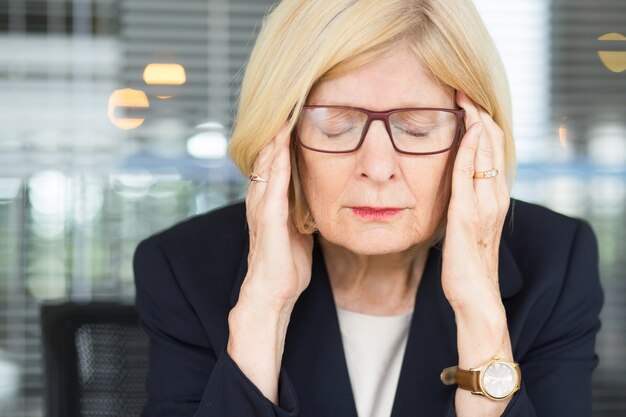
column 416, row 134
column 336, row 134
column 415, row 131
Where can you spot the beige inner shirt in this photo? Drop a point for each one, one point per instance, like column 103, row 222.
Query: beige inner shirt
column 374, row 347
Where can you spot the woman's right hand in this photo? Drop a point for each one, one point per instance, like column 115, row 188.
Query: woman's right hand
column 279, row 269
column 280, row 258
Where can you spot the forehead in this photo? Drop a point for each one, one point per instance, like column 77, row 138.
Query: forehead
column 397, row 79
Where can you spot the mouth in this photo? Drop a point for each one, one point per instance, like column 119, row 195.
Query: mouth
column 376, row 213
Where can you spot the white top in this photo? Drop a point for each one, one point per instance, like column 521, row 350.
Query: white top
column 374, row 347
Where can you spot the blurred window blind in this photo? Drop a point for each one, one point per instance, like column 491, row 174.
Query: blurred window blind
column 569, row 99
column 588, row 102
column 77, row 194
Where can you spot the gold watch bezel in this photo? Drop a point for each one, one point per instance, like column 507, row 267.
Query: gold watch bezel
column 513, row 365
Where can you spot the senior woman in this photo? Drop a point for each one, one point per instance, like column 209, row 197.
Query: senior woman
column 378, row 266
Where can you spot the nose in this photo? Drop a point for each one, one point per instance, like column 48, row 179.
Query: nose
column 377, row 159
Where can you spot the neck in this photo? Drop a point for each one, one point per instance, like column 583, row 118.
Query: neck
column 383, row 284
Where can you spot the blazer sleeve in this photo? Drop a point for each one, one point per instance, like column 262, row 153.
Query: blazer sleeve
column 556, row 371
column 187, row 376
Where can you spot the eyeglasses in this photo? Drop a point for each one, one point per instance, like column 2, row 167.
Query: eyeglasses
column 413, row 131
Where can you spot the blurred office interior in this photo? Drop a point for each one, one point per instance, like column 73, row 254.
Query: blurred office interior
column 114, row 120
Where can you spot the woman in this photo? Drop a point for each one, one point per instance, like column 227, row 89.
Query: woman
column 377, row 267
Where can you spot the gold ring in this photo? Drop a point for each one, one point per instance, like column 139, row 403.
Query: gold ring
column 256, row 178
column 486, row 174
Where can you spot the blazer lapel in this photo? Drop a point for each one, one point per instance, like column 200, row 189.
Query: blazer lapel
column 314, row 357
column 431, row 346
column 511, row 280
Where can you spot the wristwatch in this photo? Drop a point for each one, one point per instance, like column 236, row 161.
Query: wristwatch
column 496, row 379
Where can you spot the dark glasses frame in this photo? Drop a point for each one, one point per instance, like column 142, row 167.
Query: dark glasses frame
column 384, row 117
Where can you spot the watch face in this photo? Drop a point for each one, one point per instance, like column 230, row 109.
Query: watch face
column 498, row 379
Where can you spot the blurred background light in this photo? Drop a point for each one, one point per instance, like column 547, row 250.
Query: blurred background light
column 164, row 74
column 210, row 144
column 614, row 60
column 48, row 192
column 164, row 80
column 127, row 100
column 563, row 135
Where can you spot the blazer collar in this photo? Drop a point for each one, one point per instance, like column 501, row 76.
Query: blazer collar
column 509, row 274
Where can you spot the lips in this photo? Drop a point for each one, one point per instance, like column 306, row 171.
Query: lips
column 376, row 213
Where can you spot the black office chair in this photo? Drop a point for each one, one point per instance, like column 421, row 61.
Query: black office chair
column 95, row 360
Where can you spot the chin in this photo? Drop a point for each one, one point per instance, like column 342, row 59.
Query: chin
column 373, row 242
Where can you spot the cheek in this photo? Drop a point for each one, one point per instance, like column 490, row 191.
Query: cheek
column 323, row 182
column 427, row 178
column 430, row 185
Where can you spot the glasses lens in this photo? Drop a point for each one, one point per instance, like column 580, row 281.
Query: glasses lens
column 330, row 129
column 423, row 130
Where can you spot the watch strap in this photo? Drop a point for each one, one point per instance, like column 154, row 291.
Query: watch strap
column 468, row 380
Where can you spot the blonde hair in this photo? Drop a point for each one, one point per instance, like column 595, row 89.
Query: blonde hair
column 304, row 41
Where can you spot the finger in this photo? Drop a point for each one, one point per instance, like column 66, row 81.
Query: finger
column 491, row 154
column 463, row 170
column 485, row 159
column 486, row 189
column 475, row 113
column 472, row 115
column 255, row 190
column 261, row 167
column 280, row 173
column 263, row 161
column 273, row 224
column 495, row 133
column 497, row 141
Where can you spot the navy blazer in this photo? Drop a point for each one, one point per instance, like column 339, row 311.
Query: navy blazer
column 188, row 278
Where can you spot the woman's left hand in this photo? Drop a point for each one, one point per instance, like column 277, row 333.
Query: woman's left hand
column 476, row 212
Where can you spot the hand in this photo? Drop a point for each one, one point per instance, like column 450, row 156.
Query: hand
column 280, row 258
column 476, row 212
